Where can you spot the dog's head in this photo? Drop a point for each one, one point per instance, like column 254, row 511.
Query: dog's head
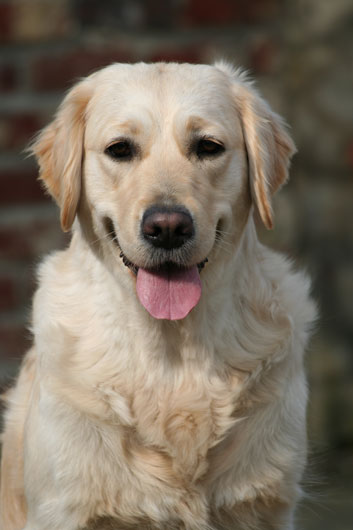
column 164, row 162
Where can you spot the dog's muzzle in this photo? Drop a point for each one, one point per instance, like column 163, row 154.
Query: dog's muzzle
column 167, row 290
column 167, row 227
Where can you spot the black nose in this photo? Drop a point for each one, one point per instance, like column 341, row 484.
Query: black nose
column 166, row 227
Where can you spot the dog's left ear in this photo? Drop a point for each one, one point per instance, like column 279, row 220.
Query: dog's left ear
column 268, row 145
column 269, row 149
column 59, row 150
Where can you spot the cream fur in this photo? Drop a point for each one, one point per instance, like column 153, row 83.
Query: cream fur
column 122, row 421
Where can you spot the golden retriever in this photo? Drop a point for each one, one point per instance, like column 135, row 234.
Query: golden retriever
column 165, row 387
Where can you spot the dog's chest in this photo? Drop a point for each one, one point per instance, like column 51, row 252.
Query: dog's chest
column 180, row 422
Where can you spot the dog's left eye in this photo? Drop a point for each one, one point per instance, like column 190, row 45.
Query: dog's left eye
column 208, row 148
column 122, row 150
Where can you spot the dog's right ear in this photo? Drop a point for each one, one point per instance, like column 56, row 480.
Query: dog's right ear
column 59, row 151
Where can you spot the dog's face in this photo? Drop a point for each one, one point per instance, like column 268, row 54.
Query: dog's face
column 164, row 161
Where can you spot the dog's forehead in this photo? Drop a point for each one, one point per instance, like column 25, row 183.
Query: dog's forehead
column 161, row 89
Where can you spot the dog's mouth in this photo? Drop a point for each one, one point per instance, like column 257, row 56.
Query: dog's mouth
column 167, row 291
column 165, row 266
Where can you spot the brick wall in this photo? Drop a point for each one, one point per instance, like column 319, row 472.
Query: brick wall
column 301, row 55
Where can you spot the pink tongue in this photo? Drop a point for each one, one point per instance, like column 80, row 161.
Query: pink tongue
column 169, row 293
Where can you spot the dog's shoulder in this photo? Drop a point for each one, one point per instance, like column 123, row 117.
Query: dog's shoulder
column 291, row 289
column 273, row 313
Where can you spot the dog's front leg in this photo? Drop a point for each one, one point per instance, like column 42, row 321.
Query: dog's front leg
column 37, row 525
column 57, row 491
column 52, row 514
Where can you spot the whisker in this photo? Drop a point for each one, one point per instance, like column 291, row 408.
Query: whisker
column 108, row 235
column 221, row 231
column 220, row 245
column 220, row 238
column 223, row 242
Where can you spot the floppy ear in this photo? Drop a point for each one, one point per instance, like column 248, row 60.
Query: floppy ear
column 269, row 149
column 59, row 150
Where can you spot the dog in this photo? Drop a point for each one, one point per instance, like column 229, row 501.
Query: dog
column 165, row 387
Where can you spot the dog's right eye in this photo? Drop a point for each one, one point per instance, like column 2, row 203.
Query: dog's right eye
column 122, row 150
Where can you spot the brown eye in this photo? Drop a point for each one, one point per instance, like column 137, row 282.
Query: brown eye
column 122, row 150
column 208, row 148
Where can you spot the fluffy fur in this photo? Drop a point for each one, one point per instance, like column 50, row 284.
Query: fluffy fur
column 119, row 420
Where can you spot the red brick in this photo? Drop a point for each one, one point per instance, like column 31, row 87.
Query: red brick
column 8, row 77
column 20, row 186
column 15, row 244
column 31, row 239
column 225, row 12
column 37, row 20
column 58, row 72
column 7, row 294
column 207, row 12
column 6, row 21
column 18, row 129
column 15, row 339
column 262, row 56
column 260, row 10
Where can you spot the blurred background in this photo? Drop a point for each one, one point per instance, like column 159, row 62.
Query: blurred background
column 301, row 55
